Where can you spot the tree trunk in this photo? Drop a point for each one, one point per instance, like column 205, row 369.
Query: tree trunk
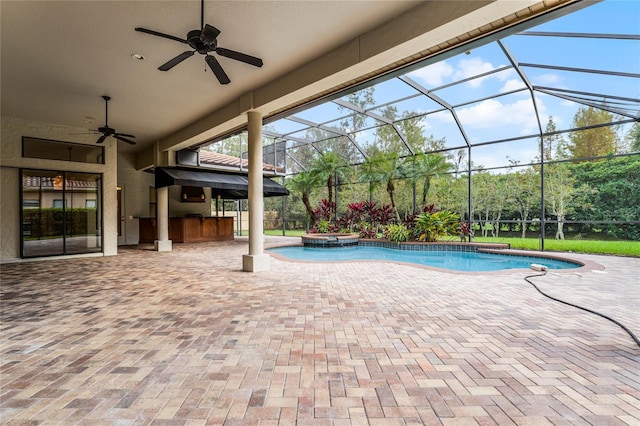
column 330, row 188
column 390, row 190
column 480, row 224
column 559, row 229
column 487, row 222
column 525, row 214
column 425, row 190
column 307, row 205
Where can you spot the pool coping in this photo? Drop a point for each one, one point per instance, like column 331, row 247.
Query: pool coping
column 586, row 265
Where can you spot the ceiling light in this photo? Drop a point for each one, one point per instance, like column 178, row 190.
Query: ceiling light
column 137, row 56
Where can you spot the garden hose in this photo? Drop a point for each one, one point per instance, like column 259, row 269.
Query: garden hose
column 543, row 270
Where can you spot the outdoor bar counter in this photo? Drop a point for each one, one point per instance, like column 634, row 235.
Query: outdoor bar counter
column 188, row 229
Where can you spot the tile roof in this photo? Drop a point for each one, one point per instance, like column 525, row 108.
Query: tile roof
column 216, row 159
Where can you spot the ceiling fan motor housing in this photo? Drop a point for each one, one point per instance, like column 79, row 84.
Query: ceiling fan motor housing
column 109, row 131
column 199, row 44
column 106, row 130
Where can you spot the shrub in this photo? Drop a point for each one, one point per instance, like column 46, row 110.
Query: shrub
column 48, row 222
column 465, row 231
column 367, row 231
column 397, row 233
column 430, row 227
column 322, row 226
column 326, row 210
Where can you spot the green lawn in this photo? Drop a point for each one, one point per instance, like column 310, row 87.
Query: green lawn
column 620, row 248
column 278, row 232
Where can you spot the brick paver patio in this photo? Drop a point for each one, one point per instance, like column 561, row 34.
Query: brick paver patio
column 186, row 337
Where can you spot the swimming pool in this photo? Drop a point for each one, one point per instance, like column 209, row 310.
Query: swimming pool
column 468, row 261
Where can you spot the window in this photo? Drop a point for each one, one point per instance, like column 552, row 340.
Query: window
column 67, row 228
column 63, row 151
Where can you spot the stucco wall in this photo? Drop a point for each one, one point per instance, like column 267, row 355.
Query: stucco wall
column 179, row 209
column 9, row 213
column 135, row 185
column 11, row 132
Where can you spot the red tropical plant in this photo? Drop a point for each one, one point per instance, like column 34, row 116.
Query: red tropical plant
column 465, row 231
column 325, row 211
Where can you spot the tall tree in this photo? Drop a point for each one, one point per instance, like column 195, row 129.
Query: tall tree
column 427, row 167
column 553, row 146
column 524, row 191
column 562, row 193
column 614, row 195
column 383, row 168
column 596, row 142
column 458, row 158
column 300, row 157
column 328, row 167
column 303, row 184
column 353, row 122
column 389, row 139
column 490, row 193
column 233, row 146
column 361, row 99
column 633, row 137
column 451, row 194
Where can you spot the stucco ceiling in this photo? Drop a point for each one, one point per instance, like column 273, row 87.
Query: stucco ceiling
column 60, row 57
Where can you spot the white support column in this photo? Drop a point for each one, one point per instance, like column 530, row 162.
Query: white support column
column 256, row 260
column 163, row 243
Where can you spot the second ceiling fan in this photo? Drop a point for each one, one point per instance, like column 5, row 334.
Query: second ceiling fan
column 204, row 41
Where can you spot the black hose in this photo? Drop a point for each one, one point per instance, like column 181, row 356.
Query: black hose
column 633, row 336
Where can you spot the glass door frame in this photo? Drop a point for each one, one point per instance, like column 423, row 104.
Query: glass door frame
column 65, row 212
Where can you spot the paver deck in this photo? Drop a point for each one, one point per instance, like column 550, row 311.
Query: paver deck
column 186, row 337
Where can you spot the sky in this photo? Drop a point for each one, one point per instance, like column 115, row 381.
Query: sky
column 512, row 114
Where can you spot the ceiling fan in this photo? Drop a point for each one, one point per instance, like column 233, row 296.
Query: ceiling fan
column 204, row 41
column 108, row 131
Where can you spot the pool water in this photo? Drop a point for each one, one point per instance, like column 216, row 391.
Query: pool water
column 453, row 260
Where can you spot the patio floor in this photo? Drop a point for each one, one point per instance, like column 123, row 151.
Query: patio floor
column 186, row 337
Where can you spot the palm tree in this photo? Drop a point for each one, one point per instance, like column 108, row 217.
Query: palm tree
column 328, row 167
column 302, row 184
column 381, row 167
column 428, row 166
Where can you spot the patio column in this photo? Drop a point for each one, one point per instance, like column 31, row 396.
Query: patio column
column 163, row 243
column 256, row 260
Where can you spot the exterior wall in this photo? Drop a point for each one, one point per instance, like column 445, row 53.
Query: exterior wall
column 179, row 209
column 12, row 131
column 135, row 185
column 9, row 212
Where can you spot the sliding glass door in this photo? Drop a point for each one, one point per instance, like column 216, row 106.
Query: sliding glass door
column 61, row 213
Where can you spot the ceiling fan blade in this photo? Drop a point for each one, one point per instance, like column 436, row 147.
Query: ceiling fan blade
column 125, row 135
column 120, row 138
column 209, row 34
column 215, row 66
column 102, row 138
column 156, row 33
column 175, row 61
column 242, row 57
